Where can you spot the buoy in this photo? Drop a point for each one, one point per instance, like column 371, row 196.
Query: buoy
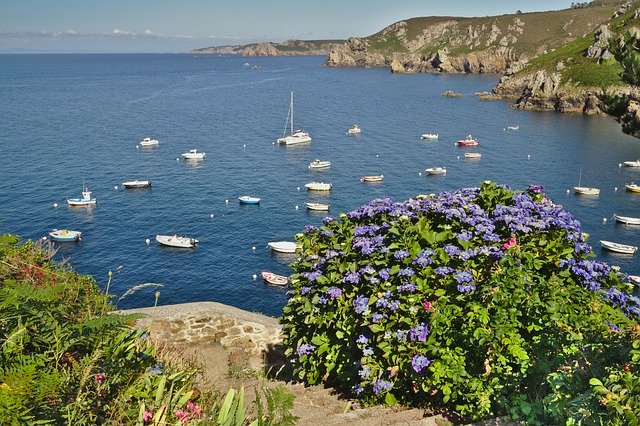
column 273, row 143
column 458, row 157
column 177, row 159
column 568, row 191
column 244, row 146
column 55, row 204
column 297, row 207
column 115, row 187
column 253, row 248
column 255, row 277
column 226, row 201
column 211, row 215
column 147, row 241
column 137, row 147
column 377, row 156
column 419, row 173
column 528, row 156
column 44, row 238
column 619, row 165
column 615, row 189
column 298, row 188
column 604, row 220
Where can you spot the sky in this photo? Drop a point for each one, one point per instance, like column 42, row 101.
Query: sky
column 182, row 25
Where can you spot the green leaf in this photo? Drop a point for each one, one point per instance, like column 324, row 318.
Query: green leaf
column 390, row 400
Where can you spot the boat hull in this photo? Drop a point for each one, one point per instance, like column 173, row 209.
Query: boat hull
column 317, row 164
column 249, row 200
column 137, row 184
column 81, row 202
column 318, row 186
column 618, row 248
column 627, row 220
column 632, row 188
column 317, row 206
column 429, row 136
column 283, row 246
column 175, row 241
column 583, row 190
column 372, row 179
column 436, row 171
column 274, row 279
column 65, row 235
column 293, row 140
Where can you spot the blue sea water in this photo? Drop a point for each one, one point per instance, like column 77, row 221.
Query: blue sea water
column 69, row 119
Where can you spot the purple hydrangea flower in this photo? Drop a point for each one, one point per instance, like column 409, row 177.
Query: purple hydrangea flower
column 305, row 290
column 419, row 332
column 466, row 288
column 406, row 272
column 362, row 339
column 384, row 274
column 419, row 363
column 443, row 270
column 364, row 372
column 305, row 349
column 401, row 254
column 464, row 277
column 334, row 292
column 361, row 304
column 407, row 286
column 367, row 351
column 381, row 385
column 351, row 277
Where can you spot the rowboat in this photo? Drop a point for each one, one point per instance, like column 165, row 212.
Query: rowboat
column 318, row 186
column 632, row 163
column 618, row 248
column 175, row 241
column 317, row 206
column 632, row 187
column 472, row 155
column 245, row 199
column 137, row 184
column 319, row 164
column 372, row 178
column 274, row 279
column 429, row 136
column 436, row 170
column 65, row 235
column 284, row 246
column 627, row 220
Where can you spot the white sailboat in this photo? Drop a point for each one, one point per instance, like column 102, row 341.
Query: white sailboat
column 296, row 136
column 585, row 190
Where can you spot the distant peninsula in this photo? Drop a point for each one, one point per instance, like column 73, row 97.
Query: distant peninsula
column 286, row 48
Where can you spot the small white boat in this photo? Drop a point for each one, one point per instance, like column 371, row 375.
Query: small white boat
column 429, row 136
column 137, row 184
column 193, row 154
column 295, row 136
column 634, row 279
column 627, row 220
column 148, row 142
column 355, row 130
column 468, row 141
column 65, row 235
column 284, row 246
column 245, row 199
column 472, row 155
column 632, row 187
column 513, row 127
column 274, row 279
column 86, row 199
column 319, row 164
column 436, row 170
column 175, row 241
column 318, row 206
column 318, row 186
column 618, row 248
column 632, row 163
column 372, row 178
column 584, row 190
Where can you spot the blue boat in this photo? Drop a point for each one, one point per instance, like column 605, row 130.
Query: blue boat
column 245, row 199
column 65, row 235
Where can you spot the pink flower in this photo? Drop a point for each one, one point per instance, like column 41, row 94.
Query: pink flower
column 148, row 415
column 182, row 415
column 426, row 305
column 100, row 378
column 510, row 243
column 194, row 408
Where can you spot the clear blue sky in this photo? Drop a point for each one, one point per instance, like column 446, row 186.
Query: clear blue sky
column 180, row 25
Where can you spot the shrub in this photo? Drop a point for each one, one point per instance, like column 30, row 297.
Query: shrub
column 479, row 302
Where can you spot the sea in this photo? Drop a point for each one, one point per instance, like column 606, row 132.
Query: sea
column 68, row 120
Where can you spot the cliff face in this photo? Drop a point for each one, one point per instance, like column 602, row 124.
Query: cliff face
column 468, row 45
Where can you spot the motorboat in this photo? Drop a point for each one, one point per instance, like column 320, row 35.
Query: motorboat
column 193, row 154
column 436, row 170
column 429, row 136
column 137, row 184
column 627, row 220
column 274, row 279
column 319, row 164
column 86, row 199
column 148, row 142
column 632, row 187
column 584, row 190
column 472, row 155
column 284, row 246
column 372, row 178
column 632, row 163
column 317, row 206
column 318, row 186
column 245, row 199
column 295, row 136
column 618, row 248
column 355, row 130
column 65, row 235
column 175, row 241
column 468, row 141
column 513, row 127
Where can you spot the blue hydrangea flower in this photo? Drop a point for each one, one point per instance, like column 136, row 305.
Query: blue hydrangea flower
column 381, row 385
column 305, row 349
column 419, row 363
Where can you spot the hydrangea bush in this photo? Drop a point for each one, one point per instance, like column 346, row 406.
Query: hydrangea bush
column 480, row 302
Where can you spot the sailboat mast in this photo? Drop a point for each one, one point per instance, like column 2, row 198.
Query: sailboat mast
column 291, row 106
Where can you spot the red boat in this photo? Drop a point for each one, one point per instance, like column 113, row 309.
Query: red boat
column 274, row 279
column 468, row 141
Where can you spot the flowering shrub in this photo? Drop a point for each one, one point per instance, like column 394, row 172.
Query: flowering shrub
column 479, row 302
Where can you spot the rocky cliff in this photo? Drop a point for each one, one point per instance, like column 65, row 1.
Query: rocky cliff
column 286, row 48
column 469, row 45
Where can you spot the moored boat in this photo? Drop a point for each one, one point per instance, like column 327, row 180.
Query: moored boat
column 472, row 155
column 429, row 136
column 317, row 206
column 355, row 130
column 436, row 170
column 632, row 187
column 175, row 241
column 148, row 142
column 584, row 190
column 513, row 127
column 632, row 163
column 318, row 186
column 319, row 164
column 65, row 235
column 137, row 184
column 295, row 136
column 372, row 178
column 274, row 279
column 618, row 248
column 193, row 154
column 627, row 220
column 245, row 199
column 634, row 279
column 86, row 199
column 468, row 141
column 284, row 246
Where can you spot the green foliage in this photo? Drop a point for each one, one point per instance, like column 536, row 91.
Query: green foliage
column 613, row 103
column 482, row 302
column 279, row 405
column 625, row 48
